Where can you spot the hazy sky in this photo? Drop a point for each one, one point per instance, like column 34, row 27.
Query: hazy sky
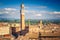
column 34, row 9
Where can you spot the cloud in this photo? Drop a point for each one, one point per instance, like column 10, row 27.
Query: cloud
column 10, row 9
column 30, row 11
column 38, row 14
column 36, row 7
column 14, row 13
column 26, row 7
column 58, row 16
column 33, row 13
column 55, row 12
column 36, row 11
column 43, row 13
column 9, row 12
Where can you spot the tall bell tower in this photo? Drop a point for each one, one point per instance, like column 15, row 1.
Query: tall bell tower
column 22, row 17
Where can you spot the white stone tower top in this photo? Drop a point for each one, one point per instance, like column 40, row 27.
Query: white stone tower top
column 22, row 5
column 22, row 8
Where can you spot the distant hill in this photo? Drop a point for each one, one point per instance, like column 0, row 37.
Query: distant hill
column 32, row 21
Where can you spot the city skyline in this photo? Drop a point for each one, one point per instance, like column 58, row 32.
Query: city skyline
column 29, row 19
column 34, row 9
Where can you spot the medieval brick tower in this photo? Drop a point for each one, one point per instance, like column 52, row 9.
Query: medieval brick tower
column 22, row 17
column 41, row 24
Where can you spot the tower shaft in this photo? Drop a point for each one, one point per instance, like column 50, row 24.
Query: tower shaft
column 41, row 24
column 22, row 17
